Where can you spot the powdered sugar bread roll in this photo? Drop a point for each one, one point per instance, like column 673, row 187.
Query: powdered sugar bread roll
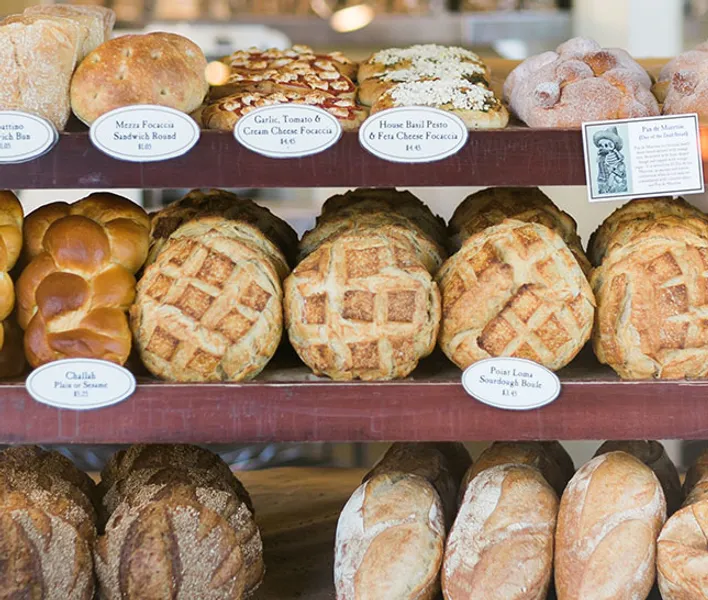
column 609, row 519
column 390, row 540
column 501, row 545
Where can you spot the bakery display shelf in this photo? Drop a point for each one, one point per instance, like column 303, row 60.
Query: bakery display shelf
column 297, row 511
column 287, row 403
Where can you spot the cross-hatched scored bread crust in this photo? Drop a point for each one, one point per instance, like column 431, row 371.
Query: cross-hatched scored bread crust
column 400, row 211
column 652, row 295
column 609, row 519
column 10, row 246
column 494, row 205
column 210, row 307
column 43, row 555
column 437, row 463
column 633, row 216
column 74, row 294
column 156, row 456
column 154, row 68
column 501, row 545
column 212, row 203
column 579, row 82
column 173, row 548
column 519, row 453
column 362, row 307
column 682, row 548
column 514, row 289
column 37, row 58
column 653, row 455
column 96, row 22
column 390, row 540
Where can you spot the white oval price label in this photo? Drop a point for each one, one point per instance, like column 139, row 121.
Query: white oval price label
column 24, row 137
column 144, row 133
column 511, row 383
column 413, row 134
column 287, row 130
column 80, row 384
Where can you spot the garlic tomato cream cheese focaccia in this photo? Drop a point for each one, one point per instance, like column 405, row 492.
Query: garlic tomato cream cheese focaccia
column 254, row 59
column 226, row 112
column 473, row 103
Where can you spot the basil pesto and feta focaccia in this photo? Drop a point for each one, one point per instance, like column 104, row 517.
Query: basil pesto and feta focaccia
column 225, row 113
column 475, row 104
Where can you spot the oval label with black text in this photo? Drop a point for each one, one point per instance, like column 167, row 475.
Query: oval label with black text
column 413, row 134
column 511, row 383
column 144, row 133
column 24, row 137
column 287, row 130
column 80, row 384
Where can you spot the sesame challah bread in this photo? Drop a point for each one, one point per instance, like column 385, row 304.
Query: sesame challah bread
column 74, row 293
column 579, row 82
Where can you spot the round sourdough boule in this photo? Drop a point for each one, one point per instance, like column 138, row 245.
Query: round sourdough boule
column 609, row 519
column 514, row 289
column 173, row 548
column 210, row 307
column 362, row 307
column 501, row 544
column 653, row 455
column 390, row 540
column 154, row 68
column 43, row 555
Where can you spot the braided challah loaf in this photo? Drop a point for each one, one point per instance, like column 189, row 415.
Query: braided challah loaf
column 579, row 82
column 652, row 291
column 515, row 288
column 79, row 283
column 10, row 246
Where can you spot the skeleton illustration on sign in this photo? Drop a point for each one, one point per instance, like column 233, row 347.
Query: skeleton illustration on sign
column 611, row 168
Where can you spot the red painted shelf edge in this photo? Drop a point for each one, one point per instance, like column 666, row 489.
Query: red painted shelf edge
column 327, row 411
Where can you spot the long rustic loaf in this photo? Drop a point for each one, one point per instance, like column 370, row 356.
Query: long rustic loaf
column 609, row 519
column 682, row 549
column 74, row 294
column 653, row 455
column 390, row 540
column 501, row 544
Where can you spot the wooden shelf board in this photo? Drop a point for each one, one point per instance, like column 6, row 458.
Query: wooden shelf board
column 287, row 403
column 297, row 511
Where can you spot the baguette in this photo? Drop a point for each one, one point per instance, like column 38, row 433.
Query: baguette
column 609, row 519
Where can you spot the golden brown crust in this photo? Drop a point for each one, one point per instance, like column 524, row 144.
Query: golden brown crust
column 154, row 68
column 11, row 218
column 74, row 294
column 362, row 306
column 653, row 455
column 537, row 303
column 609, row 518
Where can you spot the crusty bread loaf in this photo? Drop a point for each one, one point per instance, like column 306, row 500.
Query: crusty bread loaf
column 514, row 289
column 11, row 218
column 210, row 307
column 74, row 294
column 362, row 306
column 501, row 545
column 43, row 555
column 493, row 206
column 37, row 58
column 653, row 455
column 561, row 456
column 650, row 290
column 518, row 453
column 609, row 519
column 441, row 464
column 682, row 548
column 155, row 68
column 577, row 83
column 96, row 22
column 212, row 203
column 173, row 548
column 390, row 540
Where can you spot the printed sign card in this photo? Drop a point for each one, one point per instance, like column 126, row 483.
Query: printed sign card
column 643, row 158
column 24, row 137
